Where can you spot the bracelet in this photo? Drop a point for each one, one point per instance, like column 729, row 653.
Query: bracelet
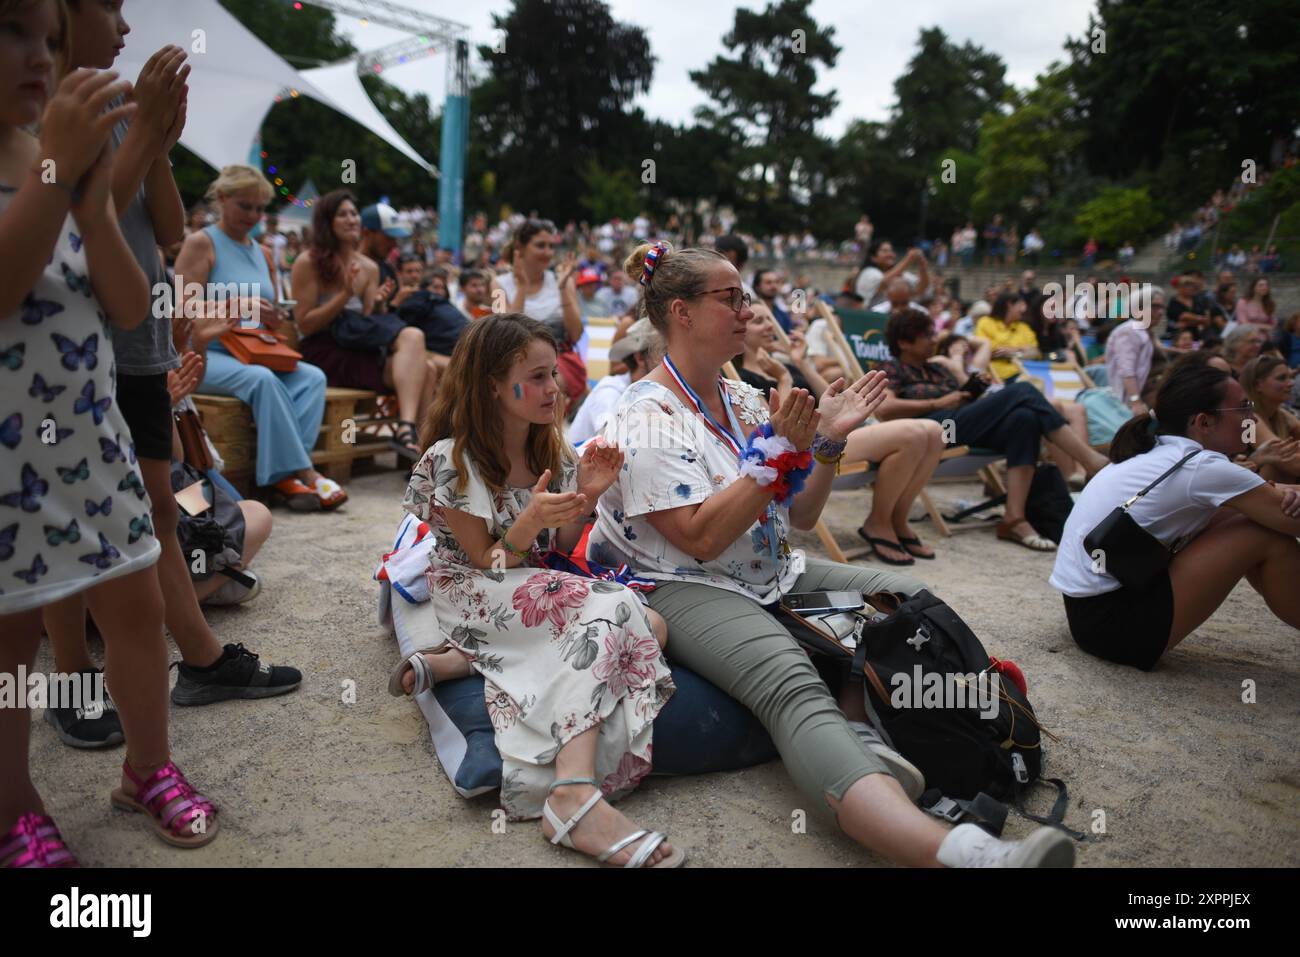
column 517, row 552
column 828, row 451
column 772, row 461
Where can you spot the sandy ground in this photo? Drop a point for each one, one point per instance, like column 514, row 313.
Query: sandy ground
column 1183, row 771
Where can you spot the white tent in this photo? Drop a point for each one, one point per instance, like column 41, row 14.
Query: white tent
column 343, row 90
column 235, row 79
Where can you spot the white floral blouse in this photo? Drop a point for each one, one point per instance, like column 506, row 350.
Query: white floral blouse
column 673, row 460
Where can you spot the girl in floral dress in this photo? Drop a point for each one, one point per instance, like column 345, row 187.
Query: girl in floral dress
column 573, row 667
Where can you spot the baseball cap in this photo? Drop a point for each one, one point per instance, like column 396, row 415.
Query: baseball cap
column 587, row 277
column 639, row 337
column 383, row 218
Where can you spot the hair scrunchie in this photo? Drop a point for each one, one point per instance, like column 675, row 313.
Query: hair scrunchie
column 652, row 258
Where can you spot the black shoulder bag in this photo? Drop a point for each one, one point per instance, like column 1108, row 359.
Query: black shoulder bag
column 1129, row 553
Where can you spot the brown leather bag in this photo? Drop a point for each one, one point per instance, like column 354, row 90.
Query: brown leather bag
column 193, row 444
column 260, row 347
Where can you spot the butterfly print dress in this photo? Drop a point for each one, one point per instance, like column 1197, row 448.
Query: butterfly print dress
column 73, row 510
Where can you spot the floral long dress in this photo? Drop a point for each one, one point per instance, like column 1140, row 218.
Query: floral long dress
column 559, row 653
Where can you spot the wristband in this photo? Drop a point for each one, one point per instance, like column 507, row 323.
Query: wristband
column 517, row 552
column 772, row 461
column 70, row 190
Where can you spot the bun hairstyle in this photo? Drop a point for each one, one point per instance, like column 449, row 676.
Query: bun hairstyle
column 1190, row 387
column 672, row 274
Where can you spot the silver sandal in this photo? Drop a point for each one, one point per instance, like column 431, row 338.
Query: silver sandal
column 424, row 680
column 652, row 838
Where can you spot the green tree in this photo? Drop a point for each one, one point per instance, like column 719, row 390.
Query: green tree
column 1026, row 154
column 1179, row 92
column 556, row 98
column 1117, row 214
column 764, row 99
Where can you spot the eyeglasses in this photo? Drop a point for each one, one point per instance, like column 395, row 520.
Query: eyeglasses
column 738, row 299
column 1248, row 408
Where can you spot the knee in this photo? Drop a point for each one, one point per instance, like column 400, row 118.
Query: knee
column 257, row 522
column 410, row 338
column 313, row 376
column 1023, row 420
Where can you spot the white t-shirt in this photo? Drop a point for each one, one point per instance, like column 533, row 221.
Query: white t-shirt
column 818, row 338
column 546, row 306
column 597, row 407
column 1174, row 511
column 673, row 460
column 868, row 285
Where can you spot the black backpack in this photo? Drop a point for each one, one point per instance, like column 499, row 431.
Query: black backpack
column 929, row 688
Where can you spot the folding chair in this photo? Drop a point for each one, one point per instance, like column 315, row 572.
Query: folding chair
column 861, row 336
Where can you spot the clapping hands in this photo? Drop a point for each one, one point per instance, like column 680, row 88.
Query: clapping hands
column 843, row 410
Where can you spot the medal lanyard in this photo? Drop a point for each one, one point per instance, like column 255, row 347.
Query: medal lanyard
column 727, row 435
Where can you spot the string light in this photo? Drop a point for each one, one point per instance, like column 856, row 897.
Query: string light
column 272, row 169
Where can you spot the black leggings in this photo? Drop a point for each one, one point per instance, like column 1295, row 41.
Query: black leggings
column 1012, row 420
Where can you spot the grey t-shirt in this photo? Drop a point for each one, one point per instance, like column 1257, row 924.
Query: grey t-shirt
column 147, row 349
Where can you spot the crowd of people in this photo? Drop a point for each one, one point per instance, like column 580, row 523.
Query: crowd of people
column 726, row 415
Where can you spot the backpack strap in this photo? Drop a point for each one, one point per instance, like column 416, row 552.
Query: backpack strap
column 991, row 814
column 1056, row 816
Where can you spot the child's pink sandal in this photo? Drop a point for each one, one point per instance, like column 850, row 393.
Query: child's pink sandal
column 171, row 804
column 35, row 842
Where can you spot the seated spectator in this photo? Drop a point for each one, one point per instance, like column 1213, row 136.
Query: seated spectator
column 640, row 350
column 882, row 265
column 682, row 512
column 1242, row 344
column 1191, row 307
column 965, row 326
column 1008, row 335
column 475, row 294
column 381, row 228
column 1130, row 350
column 820, row 349
column 531, row 287
column 1287, row 340
column 1258, row 309
column 287, row 406
column 759, row 367
column 1013, row 420
column 619, row 297
column 410, row 280
column 588, row 283
column 430, row 311
column 963, row 357
column 767, row 283
column 500, row 486
column 1268, row 382
column 1223, row 522
column 334, row 278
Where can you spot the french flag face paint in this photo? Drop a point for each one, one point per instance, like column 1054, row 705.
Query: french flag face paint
column 519, row 391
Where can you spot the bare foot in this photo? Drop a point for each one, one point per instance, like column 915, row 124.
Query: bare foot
column 602, row 827
column 446, row 665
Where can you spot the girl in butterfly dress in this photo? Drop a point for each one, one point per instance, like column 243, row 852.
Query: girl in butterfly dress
column 73, row 516
column 573, row 668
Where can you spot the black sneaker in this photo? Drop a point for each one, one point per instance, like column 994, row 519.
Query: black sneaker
column 239, row 674
column 87, row 728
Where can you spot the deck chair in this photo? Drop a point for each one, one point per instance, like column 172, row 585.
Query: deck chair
column 1056, row 380
column 859, row 337
column 599, row 336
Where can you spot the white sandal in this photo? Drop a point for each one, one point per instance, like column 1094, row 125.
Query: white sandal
column 424, row 679
column 652, row 838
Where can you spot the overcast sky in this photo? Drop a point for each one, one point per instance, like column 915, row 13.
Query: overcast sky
column 876, row 38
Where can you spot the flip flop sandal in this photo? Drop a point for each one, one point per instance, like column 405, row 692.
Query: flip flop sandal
column 1034, row 542
column 297, row 496
column 171, row 804
column 406, row 441
column 913, row 543
column 652, row 838
column 424, row 680
column 330, row 493
column 873, row 542
column 34, row 842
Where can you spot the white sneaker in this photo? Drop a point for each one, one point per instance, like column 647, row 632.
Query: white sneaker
column 234, row 593
column 907, row 773
column 970, row 846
